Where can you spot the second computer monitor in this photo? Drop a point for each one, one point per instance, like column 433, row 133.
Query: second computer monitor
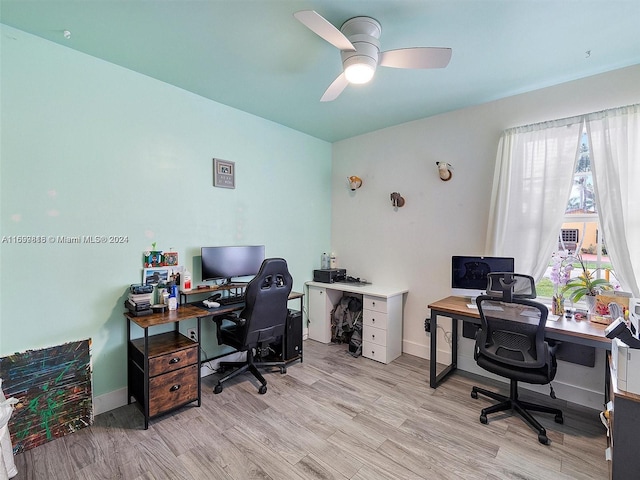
column 230, row 262
column 469, row 274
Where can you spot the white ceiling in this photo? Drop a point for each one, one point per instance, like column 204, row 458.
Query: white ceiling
column 253, row 55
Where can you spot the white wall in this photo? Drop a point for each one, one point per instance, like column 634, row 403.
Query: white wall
column 413, row 245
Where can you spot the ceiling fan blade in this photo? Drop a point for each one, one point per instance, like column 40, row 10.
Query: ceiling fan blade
column 417, row 57
column 335, row 89
column 321, row 27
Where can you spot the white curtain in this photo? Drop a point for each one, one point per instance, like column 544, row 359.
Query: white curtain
column 615, row 161
column 531, row 188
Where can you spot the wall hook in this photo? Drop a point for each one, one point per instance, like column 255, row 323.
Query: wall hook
column 355, row 182
column 397, row 200
column 444, row 170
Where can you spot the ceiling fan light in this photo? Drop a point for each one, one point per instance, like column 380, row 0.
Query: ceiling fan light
column 359, row 73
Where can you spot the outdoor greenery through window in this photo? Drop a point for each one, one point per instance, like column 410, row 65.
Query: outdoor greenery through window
column 580, row 237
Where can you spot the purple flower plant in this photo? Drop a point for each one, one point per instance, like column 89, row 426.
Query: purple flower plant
column 562, row 265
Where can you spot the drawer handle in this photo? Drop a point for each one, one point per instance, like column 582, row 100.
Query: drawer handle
column 373, row 336
column 174, row 360
column 373, row 320
column 175, row 388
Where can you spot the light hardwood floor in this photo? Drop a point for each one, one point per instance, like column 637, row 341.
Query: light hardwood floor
column 331, row 417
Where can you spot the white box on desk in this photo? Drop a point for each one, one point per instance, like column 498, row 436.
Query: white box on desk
column 626, row 366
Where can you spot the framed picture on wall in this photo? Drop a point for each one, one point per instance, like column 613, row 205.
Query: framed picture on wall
column 224, row 173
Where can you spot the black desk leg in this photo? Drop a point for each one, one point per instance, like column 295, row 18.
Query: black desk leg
column 128, row 366
column 199, row 364
column 434, row 378
column 454, row 343
column 433, row 357
column 146, row 378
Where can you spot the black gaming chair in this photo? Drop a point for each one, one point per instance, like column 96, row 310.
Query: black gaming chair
column 510, row 343
column 260, row 323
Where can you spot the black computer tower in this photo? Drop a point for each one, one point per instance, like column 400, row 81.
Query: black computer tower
column 293, row 335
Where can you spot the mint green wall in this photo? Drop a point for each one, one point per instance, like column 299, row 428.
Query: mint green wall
column 89, row 148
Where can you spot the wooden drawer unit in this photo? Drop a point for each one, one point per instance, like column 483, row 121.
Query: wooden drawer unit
column 173, row 389
column 173, row 361
column 168, row 376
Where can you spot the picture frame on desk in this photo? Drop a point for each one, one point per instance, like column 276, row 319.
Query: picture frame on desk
column 156, row 275
column 169, row 259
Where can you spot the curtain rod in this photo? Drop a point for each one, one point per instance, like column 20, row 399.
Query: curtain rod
column 573, row 119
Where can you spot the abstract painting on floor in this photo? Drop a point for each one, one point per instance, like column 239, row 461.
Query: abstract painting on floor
column 53, row 388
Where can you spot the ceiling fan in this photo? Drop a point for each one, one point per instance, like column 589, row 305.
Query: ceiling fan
column 359, row 45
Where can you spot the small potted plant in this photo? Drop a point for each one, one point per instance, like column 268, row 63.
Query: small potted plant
column 585, row 285
column 562, row 265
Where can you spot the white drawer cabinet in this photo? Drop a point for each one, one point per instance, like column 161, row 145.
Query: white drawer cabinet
column 382, row 315
column 382, row 328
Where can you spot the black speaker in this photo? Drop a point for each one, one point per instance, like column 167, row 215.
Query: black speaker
column 293, row 335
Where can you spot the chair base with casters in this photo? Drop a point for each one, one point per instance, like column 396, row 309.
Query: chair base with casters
column 522, row 408
column 250, row 365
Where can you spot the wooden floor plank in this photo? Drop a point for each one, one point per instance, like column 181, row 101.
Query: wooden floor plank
column 332, row 417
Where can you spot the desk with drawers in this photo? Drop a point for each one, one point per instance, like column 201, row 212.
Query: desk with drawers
column 163, row 370
column 382, row 316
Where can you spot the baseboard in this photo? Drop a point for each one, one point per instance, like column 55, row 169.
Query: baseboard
column 424, row 351
column 415, row 349
column 109, row 401
column 571, row 393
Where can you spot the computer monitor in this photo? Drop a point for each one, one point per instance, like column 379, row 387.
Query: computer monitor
column 231, row 262
column 469, row 274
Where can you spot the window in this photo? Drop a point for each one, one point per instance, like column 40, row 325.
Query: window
column 580, row 233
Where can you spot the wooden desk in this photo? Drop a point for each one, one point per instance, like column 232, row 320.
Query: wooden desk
column 164, row 369
column 582, row 332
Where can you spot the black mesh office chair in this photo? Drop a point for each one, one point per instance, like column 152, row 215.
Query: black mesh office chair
column 510, row 343
column 261, row 321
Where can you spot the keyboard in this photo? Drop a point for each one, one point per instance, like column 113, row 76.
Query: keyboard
column 230, row 300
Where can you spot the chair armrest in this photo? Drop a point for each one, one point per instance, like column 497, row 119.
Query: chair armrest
column 553, row 346
column 233, row 318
